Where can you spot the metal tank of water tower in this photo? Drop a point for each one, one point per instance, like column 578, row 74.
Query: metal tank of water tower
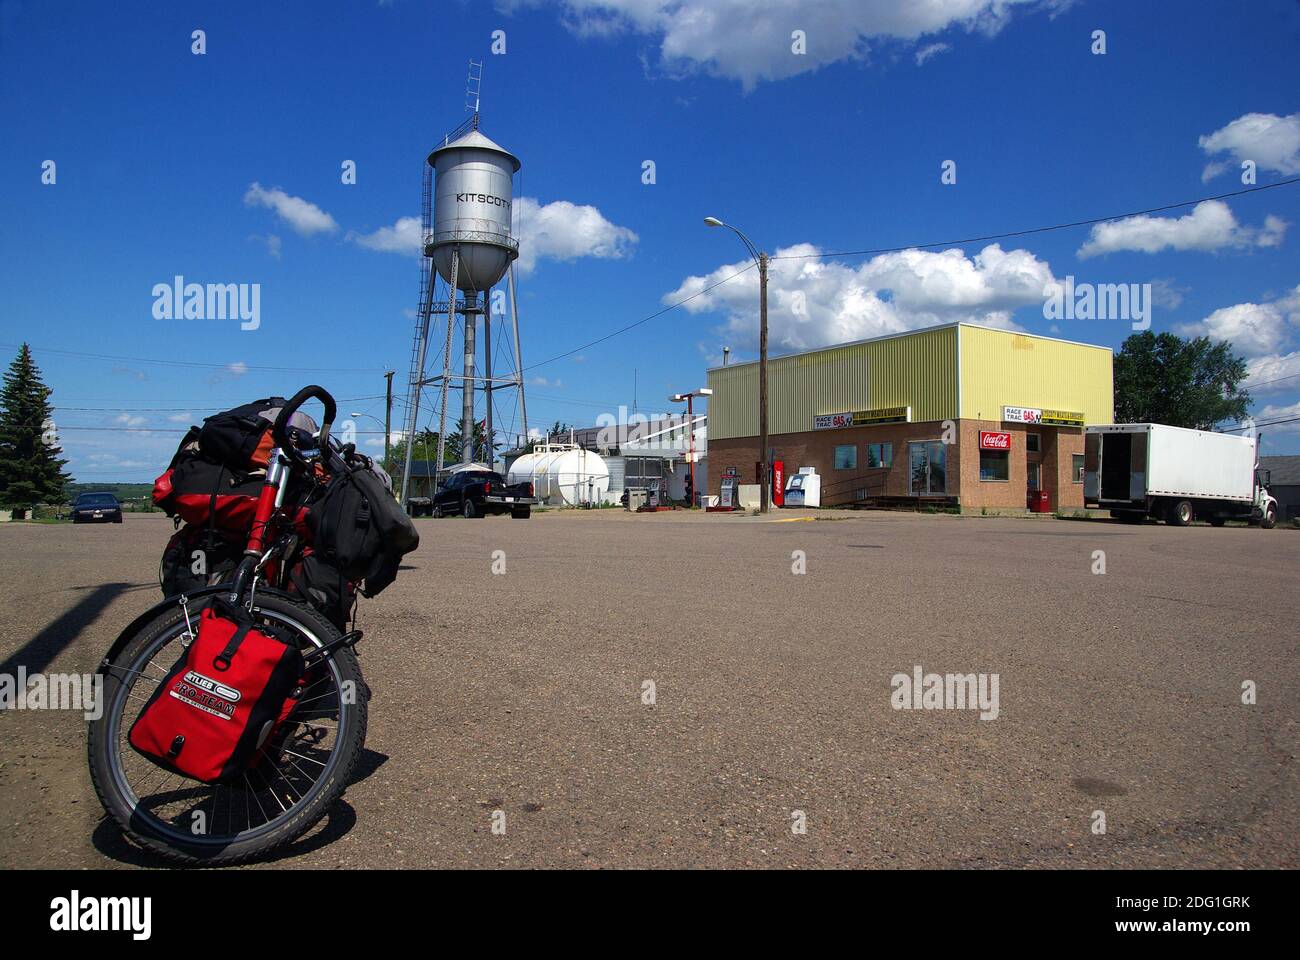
column 474, row 180
column 469, row 244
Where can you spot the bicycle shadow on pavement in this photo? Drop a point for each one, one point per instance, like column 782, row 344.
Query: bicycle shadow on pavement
column 339, row 820
column 41, row 650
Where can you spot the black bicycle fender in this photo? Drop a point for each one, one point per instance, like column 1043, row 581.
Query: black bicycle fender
column 134, row 627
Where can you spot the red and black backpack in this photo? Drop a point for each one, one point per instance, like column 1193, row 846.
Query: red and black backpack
column 217, row 471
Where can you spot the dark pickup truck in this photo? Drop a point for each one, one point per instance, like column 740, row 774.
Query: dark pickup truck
column 476, row 493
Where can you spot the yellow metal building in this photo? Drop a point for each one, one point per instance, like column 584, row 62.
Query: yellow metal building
column 962, row 414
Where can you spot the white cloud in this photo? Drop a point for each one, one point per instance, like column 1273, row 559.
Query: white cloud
column 301, row 215
column 543, row 382
column 1278, row 412
column 813, row 303
column 1165, row 294
column 1253, row 329
column 1278, row 371
column 101, row 461
column 1262, row 332
column 559, row 230
column 931, row 50
column 1271, row 141
column 237, row 369
column 402, row 237
column 126, row 420
column 733, row 39
column 1210, row 226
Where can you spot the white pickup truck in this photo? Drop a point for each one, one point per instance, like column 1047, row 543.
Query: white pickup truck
column 1139, row 470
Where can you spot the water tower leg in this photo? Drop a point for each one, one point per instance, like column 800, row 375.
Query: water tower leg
column 416, row 385
column 467, row 386
column 519, row 357
column 446, row 364
column 487, row 377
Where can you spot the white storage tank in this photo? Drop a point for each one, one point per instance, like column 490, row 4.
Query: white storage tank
column 562, row 474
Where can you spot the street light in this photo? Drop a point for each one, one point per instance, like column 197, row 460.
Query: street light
column 690, row 431
column 761, row 259
column 354, row 415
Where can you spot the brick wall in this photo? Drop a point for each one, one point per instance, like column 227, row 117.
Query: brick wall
column 816, row 448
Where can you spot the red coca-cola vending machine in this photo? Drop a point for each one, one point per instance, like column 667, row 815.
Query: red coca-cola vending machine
column 777, row 478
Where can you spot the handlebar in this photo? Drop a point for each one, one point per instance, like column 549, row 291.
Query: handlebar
column 291, row 407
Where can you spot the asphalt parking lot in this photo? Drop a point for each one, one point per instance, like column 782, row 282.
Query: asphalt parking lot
column 523, row 692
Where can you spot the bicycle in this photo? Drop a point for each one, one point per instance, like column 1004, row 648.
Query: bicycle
column 307, row 763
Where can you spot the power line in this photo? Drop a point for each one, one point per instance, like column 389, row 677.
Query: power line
column 1261, row 383
column 637, row 323
column 1257, row 425
column 186, row 409
column 1025, row 233
column 920, row 246
column 197, row 363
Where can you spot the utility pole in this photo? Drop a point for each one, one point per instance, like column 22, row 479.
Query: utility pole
column 760, row 258
column 690, row 426
column 764, row 494
column 388, row 418
column 690, row 446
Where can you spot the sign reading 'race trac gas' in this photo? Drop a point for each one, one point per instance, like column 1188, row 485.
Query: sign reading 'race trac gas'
column 862, row 418
column 1063, row 418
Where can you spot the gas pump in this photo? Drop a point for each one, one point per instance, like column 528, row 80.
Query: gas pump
column 728, row 497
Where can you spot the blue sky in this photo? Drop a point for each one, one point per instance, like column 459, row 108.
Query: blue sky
column 839, row 148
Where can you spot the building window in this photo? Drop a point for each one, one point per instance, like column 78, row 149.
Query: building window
column 928, row 468
column 995, row 465
column 846, row 457
column 1033, row 443
column 1077, row 463
column 880, row 455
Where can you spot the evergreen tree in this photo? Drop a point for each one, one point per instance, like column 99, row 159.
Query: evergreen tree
column 31, row 471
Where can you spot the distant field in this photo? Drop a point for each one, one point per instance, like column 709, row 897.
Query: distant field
column 123, row 491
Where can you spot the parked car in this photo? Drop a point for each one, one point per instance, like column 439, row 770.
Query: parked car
column 476, row 493
column 96, row 508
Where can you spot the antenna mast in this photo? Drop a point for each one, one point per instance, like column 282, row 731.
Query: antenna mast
column 473, row 85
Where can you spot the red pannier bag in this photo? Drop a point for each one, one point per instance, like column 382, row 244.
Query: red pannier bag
column 204, row 493
column 227, row 694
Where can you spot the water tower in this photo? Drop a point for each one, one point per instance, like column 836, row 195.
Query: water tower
column 469, row 245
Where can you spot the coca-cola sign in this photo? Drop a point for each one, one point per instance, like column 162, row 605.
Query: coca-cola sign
column 994, row 440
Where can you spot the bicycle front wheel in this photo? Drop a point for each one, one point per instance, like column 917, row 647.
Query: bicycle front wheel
column 297, row 774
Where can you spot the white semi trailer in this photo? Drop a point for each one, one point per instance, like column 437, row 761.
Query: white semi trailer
column 1139, row 470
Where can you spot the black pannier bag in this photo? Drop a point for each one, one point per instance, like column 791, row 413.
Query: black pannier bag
column 358, row 527
column 195, row 557
column 241, row 438
column 325, row 588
